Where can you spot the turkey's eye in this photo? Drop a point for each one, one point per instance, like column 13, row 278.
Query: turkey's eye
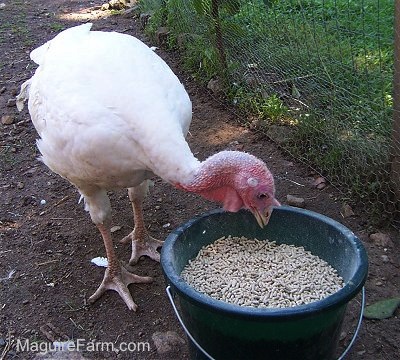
column 263, row 196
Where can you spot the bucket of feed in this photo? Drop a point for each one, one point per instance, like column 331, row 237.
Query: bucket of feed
column 280, row 292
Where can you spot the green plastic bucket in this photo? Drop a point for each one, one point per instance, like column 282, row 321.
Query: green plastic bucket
column 219, row 330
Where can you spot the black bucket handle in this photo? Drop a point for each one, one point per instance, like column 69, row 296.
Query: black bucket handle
column 341, row 357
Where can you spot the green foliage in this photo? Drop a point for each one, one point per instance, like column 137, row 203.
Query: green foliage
column 115, row 12
column 268, row 108
column 273, row 108
column 154, row 9
column 56, row 27
column 203, row 7
column 202, row 60
column 330, row 61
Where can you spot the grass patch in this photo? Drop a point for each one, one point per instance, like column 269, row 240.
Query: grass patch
column 322, row 67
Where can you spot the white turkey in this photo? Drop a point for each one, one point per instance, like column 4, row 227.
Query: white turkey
column 106, row 126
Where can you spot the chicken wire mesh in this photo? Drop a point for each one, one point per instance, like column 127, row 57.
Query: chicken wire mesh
column 314, row 75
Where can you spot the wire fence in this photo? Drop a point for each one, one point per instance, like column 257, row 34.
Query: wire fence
column 314, row 75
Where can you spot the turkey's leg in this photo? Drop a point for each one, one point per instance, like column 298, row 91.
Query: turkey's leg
column 116, row 276
column 142, row 243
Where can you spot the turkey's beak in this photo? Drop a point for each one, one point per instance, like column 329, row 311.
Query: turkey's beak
column 262, row 217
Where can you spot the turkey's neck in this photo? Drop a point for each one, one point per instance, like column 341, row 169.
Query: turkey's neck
column 217, row 180
column 220, row 171
column 210, row 176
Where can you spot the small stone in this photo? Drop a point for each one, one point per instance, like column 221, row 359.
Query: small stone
column 347, row 211
column 215, row 86
column 3, row 89
column 7, row 119
column 115, row 228
column 166, row 341
column 385, row 258
column 25, row 302
column 360, row 353
column 320, row 183
column 379, row 283
column 119, row 4
column 20, row 185
column 43, row 202
column 381, row 239
column 295, row 201
column 343, row 335
column 2, row 5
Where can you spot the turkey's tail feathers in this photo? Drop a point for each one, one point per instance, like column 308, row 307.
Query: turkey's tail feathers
column 66, row 36
column 23, row 94
column 38, row 54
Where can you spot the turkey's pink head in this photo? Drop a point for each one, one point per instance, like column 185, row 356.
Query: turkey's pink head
column 237, row 180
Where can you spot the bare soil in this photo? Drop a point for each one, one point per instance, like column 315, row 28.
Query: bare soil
column 46, row 246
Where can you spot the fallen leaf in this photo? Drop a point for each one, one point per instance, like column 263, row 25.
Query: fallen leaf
column 382, row 309
column 7, row 119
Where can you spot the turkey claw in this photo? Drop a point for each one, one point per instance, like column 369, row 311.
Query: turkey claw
column 119, row 283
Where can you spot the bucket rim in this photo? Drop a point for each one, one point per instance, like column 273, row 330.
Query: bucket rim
column 336, row 300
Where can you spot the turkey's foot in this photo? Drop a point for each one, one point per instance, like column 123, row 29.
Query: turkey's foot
column 119, row 282
column 146, row 247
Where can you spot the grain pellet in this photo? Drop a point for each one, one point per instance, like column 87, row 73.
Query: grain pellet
column 260, row 273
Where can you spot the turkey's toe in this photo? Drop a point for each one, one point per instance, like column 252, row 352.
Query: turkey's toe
column 119, row 282
column 142, row 245
column 147, row 248
column 127, row 239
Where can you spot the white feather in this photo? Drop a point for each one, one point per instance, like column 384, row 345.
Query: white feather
column 109, row 111
column 100, row 261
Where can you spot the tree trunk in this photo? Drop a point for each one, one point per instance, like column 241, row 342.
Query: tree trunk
column 218, row 37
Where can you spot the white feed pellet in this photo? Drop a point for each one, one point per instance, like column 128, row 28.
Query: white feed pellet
column 260, row 273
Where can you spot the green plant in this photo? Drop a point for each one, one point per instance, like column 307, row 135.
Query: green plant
column 331, row 62
column 57, row 27
column 273, row 108
column 268, row 108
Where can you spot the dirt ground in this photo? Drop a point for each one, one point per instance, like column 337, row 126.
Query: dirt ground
column 47, row 239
